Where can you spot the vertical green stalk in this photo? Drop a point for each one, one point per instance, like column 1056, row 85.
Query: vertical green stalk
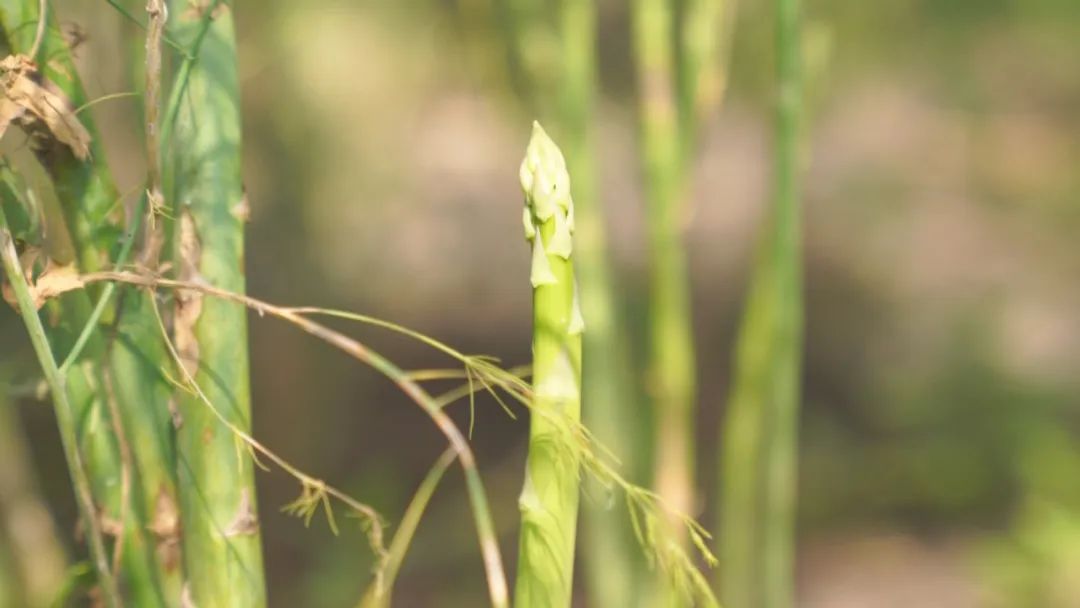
column 36, row 553
column 759, row 451
column 549, row 500
column 66, row 414
column 608, row 549
column 221, row 540
column 707, row 28
column 671, row 356
column 129, row 359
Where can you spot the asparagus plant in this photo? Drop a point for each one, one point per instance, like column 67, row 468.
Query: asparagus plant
column 671, row 354
column 66, row 415
column 608, row 550
column 759, row 450
column 221, row 540
column 549, row 500
column 126, row 351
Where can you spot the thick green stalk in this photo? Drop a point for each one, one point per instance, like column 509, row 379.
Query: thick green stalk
column 129, row 362
column 549, row 500
column 36, row 553
column 759, row 453
column 66, row 419
column 671, row 356
column 608, row 548
column 221, row 540
column 98, row 437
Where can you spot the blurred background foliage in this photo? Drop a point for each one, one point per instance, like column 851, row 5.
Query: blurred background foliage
column 941, row 422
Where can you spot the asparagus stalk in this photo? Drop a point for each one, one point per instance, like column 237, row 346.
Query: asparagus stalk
column 549, row 500
column 759, row 451
column 129, row 363
column 707, row 32
column 221, row 540
column 608, row 548
column 671, row 356
column 66, row 416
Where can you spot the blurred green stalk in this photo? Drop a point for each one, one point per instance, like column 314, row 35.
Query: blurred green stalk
column 221, row 540
column 549, row 500
column 608, row 548
column 671, row 373
column 35, row 559
column 759, row 447
column 707, row 32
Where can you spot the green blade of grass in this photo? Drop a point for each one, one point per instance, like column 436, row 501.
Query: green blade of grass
column 759, row 453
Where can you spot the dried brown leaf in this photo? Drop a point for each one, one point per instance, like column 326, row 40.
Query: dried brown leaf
column 33, row 101
column 55, row 281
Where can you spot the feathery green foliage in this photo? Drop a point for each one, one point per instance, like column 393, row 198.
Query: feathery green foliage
column 759, row 453
column 221, row 540
column 549, row 500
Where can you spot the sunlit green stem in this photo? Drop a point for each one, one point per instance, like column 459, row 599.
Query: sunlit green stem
column 549, row 500
column 759, row 454
column 221, row 540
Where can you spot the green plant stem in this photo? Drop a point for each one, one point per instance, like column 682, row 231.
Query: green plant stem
column 707, row 32
column 65, row 416
column 485, row 527
column 671, row 354
column 549, row 500
column 380, row 592
column 759, row 454
column 220, row 531
column 127, row 365
column 36, row 553
column 608, row 548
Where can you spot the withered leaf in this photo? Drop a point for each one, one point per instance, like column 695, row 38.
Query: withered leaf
column 55, row 281
column 32, row 100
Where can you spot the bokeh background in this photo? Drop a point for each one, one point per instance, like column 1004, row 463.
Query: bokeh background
column 940, row 450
